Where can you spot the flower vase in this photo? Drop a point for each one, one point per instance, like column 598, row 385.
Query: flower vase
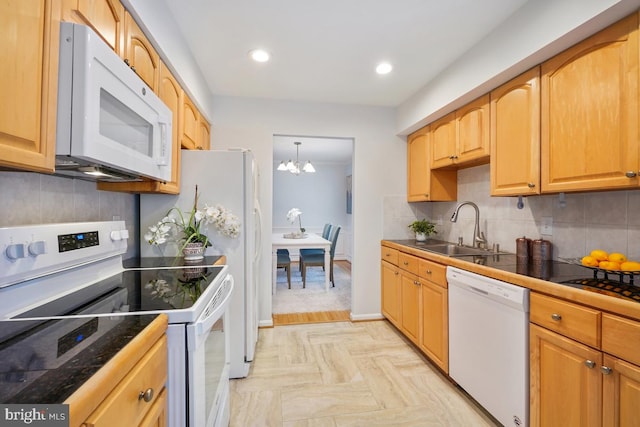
column 193, row 252
column 421, row 237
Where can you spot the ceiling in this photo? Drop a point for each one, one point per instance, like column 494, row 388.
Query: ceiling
column 317, row 150
column 326, row 51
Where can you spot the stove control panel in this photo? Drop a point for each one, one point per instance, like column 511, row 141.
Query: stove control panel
column 32, row 251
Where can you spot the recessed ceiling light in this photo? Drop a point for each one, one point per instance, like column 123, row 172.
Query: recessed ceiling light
column 384, row 68
column 259, row 55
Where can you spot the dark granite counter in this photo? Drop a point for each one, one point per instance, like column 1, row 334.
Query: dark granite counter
column 46, row 361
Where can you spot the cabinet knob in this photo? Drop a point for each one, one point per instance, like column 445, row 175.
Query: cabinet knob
column 590, row 364
column 630, row 174
column 146, row 395
column 396, row 273
column 428, row 271
column 606, row 370
column 556, row 317
column 405, row 263
column 531, row 185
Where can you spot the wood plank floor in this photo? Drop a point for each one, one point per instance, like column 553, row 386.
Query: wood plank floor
column 315, row 317
column 346, row 374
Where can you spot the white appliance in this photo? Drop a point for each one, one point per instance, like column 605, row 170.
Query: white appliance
column 80, row 275
column 489, row 343
column 110, row 125
column 229, row 178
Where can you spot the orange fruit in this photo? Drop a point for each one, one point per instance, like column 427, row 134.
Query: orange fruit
column 589, row 261
column 630, row 266
column 600, row 255
column 609, row 265
column 617, row 257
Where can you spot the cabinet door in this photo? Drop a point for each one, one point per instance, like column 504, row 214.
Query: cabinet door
column 565, row 381
column 140, row 54
column 434, row 340
column 418, row 168
column 410, row 315
column 189, row 124
column 443, row 141
column 515, row 136
column 391, row 293
column 621, row 392
column 29, row 39
column 472, row 132
column 204, row 134
column 106, row 17
column 590, row 112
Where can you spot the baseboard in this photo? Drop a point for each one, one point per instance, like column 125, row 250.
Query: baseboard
column 265, row 323
column 365, row 317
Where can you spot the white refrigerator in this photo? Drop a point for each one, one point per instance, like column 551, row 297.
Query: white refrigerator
column 229, row 178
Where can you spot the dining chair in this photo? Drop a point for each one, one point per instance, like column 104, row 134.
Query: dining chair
column 284, row 261
column 317, row 260
column 326, row 232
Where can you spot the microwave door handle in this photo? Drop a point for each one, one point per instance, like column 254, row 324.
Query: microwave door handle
column 162, row 159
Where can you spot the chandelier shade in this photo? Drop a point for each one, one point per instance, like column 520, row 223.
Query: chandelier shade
column 294, row 167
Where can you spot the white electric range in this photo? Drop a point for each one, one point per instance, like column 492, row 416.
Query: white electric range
column 75, row 271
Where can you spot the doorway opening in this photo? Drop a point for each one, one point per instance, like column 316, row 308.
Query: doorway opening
column 323, row 197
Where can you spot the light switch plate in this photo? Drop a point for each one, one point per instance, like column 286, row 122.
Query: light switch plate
column 547, row 226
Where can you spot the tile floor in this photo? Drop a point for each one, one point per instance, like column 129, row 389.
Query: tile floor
column 345, row 374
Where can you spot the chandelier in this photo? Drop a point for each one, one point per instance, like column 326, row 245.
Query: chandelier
column 294, row 167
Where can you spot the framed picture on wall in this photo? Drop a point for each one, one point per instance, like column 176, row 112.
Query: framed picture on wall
column 349, row 199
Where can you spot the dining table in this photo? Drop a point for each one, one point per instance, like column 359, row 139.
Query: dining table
column 296, row 241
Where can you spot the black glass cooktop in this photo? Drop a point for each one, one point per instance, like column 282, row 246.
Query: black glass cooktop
column 563, row 273
column 134, row 291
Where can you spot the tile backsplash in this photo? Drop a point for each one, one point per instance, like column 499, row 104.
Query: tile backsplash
column 606, row 220
column 32, row 198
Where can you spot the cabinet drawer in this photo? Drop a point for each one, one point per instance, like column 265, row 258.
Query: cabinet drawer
column 621, row 337
column 571, row 320
column 123, row 402
column 408, row 262
column 389, row 255
column 433, row 272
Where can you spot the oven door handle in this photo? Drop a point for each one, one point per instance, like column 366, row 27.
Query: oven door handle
column 216, row 307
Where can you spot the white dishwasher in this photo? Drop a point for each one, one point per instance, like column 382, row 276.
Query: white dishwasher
column 489, row 343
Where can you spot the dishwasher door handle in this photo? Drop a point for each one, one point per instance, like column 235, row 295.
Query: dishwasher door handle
column 479, row 291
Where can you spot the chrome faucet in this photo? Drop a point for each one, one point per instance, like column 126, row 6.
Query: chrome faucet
column 479, row 240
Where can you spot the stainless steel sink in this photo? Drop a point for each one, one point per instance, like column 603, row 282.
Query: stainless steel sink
column 451, row 249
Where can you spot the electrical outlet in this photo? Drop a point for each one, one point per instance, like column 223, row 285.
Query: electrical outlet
column 547, row 226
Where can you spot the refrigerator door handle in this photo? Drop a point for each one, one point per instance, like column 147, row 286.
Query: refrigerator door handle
column 258, row 230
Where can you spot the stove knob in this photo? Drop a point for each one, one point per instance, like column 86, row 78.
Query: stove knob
column 115, row 235
column 16, row 251
column 37, row 248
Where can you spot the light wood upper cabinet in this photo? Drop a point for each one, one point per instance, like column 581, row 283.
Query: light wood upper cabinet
column 589, row 129
column 424, row 184
column 515, row 136
column 472, row 132
column 189, row 126
column 204, row 134
column 106, row 17
column 443, row 141
column 29, row 40
column 140, row 54
column 462, row 137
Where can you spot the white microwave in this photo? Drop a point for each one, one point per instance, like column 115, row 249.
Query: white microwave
column 110, row 124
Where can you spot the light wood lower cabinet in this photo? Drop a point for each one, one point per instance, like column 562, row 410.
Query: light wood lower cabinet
column 573, row 383
column 415, row 300
column 391, row 292
column 130, row 388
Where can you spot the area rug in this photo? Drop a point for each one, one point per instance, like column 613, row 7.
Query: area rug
column 313, row 297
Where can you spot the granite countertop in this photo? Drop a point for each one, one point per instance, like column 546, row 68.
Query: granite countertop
column 44, row 362
column 544, row 278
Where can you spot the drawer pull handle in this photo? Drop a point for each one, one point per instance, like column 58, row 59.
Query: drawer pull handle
column 428, row 271
column 147, row 395
column 606, row 370
column 590, row 364
column 406, row 263
column 556, row 317
column 630, row 174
